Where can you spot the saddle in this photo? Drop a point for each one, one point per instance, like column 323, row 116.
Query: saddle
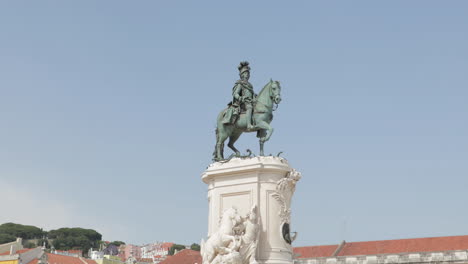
column 233, row 112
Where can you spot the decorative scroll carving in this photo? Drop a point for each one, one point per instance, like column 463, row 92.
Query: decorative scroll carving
column 236, row 240
column 284, row 191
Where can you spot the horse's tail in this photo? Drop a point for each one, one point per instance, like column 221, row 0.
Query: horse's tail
column 214, row 152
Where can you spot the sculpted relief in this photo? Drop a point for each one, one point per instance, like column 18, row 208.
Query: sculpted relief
column 236, row 240
column 284, row 191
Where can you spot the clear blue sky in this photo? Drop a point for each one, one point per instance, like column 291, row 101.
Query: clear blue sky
column 108, row 108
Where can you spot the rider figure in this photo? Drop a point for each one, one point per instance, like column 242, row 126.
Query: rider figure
column 243, row 93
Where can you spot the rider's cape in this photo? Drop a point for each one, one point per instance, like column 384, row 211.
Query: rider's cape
column 231, row 114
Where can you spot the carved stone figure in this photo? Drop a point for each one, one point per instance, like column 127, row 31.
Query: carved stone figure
column 284, row 190
column 218, row 242
column 248, row 248
column 233, row 257
column 246, row 113
column 229, row 255
column 236, row 240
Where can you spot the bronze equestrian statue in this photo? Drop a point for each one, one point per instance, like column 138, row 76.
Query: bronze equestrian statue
column 247, row 112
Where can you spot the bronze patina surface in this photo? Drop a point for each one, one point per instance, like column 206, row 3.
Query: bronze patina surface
column 247, row 112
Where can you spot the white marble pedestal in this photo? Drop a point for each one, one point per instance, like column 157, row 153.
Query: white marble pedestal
column 267, row 182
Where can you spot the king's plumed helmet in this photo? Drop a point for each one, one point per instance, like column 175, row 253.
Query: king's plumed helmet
column 243, row 67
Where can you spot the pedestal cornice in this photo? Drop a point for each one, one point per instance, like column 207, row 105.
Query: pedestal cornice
column 242, row 165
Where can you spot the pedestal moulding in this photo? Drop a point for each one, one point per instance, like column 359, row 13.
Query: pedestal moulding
column 257, row 192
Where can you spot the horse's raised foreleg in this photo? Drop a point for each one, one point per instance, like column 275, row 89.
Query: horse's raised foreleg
column 226, row 239
column 264, row 134
column 268, row 129
column 232, row 139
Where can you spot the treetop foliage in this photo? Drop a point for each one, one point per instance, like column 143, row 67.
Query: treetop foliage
column 61, row 239
column 75, row 238
column 195, row 247
column 9, row 230
column 75, row 232
column 6, row 238
column 174, row 248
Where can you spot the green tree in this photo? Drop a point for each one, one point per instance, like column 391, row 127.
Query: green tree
column 23, row 231
column 41, row 241
column 174, row 248
column 75, row 238
column 6, row 238
column 195, row 247
column 30, row 245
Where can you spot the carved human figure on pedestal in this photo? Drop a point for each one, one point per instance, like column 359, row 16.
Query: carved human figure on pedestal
column 248, row 248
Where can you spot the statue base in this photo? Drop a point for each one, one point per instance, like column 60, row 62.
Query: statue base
column 263, row 183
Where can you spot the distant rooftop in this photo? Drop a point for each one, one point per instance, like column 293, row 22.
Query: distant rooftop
column 429, row 244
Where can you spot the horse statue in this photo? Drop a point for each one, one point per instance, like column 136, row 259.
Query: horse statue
column 219, row 242
column 261, row 117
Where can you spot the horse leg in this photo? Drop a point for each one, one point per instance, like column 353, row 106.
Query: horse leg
column 226, row 239
column 221, row 137
column 232, row 139
column 261, row 148
column 209, row 258
column 269, row 130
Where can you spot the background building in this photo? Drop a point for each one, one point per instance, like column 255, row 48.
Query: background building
column 109, row 259
column 132, row 251
column 452, row 249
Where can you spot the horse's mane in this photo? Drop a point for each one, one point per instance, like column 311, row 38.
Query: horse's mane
column 265, row 87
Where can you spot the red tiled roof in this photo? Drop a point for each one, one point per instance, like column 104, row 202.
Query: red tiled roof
column 405, row 245
column 315, row 251
column 167, row 245
column 6, row 253
column 186, row 256
column 34, row 261
column 61, row 259
column 429, row 244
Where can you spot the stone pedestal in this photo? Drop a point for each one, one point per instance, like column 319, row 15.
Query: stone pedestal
column 268, row 183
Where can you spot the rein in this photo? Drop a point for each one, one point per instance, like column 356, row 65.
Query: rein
column 273, row 101
column 272, row 109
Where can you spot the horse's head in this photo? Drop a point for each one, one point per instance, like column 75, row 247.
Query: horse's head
column 232, row 215
column 268, row 97
column 275, row 91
